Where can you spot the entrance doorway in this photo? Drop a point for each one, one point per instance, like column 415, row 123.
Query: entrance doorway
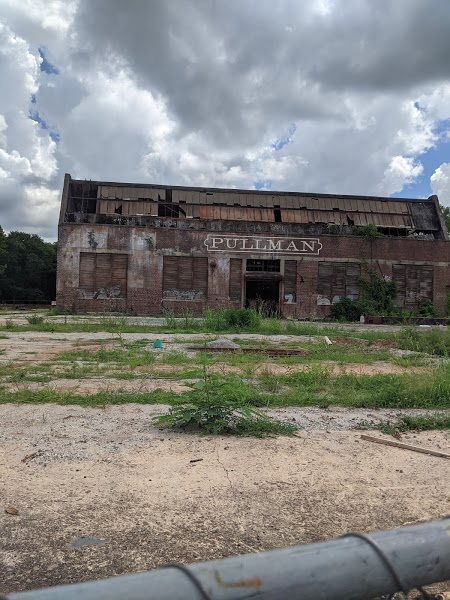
column 263, row 295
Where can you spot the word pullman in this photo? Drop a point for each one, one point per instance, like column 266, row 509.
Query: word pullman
column 285, row 245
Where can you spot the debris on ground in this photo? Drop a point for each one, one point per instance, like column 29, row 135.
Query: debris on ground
column 11, row 510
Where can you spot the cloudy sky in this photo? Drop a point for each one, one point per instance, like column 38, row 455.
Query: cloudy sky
column 333, row 96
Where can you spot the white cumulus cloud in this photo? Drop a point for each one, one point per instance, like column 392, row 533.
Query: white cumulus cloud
column 193, row 93
column 440, row 183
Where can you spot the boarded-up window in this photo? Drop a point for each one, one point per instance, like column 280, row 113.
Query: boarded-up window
column 107, row 272
column 185, row 277
column 338, row 280
column 235, row 279
column 290, row 280
column 414, row 284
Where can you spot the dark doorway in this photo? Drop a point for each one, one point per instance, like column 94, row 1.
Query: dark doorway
column 263, row 295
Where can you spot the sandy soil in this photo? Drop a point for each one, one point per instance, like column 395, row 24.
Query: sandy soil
column 108, row 474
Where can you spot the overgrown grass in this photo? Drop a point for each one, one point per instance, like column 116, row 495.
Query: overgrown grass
column 131, row 355
column 412, row 360
column 101, row 399
column 229, row 321
column 315, row 386
column 254, row 387
column 412, row 423
column 319, row 352
column 431, row 341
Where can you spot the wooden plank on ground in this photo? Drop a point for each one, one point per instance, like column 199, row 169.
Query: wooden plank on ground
column 378, row 440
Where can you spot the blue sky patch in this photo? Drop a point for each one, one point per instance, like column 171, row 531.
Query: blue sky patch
column 285, row 139
column 431, row 160
column 46, row 66
column 54, row 135
column 34, row 116
column 263, row 183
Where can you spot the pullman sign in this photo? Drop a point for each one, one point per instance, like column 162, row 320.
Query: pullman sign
column 280, row 245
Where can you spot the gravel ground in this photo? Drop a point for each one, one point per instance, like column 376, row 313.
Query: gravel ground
column 102, row 492
column 71, row 432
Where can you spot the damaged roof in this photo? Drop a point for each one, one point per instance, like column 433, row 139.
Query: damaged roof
column 254, row 205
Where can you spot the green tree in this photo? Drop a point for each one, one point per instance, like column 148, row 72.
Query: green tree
column 30, row 268
column 2, row 251
column 446, row 214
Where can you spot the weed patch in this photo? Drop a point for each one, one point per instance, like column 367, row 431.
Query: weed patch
column 101, row 399
column 214, row 406
column 411, row 423
column 433, row 341
column 35, row 320
column 130, row 355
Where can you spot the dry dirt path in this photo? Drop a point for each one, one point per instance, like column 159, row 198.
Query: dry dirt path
column 110, row 476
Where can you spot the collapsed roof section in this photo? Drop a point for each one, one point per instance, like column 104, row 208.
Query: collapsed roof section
column 145, row 205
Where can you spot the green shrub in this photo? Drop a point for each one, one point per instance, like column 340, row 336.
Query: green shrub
column 232, row 318
column 188, row 320
column 214, row 320
column 171, row 322
column 35, row 320
column 370, row 232
column 243, row 318
column 426, row 309
column 346, row 310
column 377, row 298
column 210, row 407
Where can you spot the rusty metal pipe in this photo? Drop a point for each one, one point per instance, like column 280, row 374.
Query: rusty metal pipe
column 347, row 568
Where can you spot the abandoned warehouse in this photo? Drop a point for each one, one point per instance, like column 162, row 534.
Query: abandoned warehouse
column 145, row 249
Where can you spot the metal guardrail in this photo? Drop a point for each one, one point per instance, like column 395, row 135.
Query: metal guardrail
column 352, row 567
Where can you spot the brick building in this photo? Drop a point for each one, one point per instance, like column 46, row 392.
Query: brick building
column 147, row 248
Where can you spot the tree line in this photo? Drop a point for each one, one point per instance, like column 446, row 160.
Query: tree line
column 27, row 268
column 446, row 214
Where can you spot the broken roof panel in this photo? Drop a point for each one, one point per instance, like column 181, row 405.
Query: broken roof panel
column 257, row 205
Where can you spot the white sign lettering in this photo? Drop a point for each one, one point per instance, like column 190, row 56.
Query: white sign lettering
column 257, row 244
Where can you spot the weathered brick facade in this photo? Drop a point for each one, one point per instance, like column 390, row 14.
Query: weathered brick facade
column 132, row 275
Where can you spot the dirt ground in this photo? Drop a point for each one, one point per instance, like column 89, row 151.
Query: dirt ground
column 102, row 492
column 31, row 348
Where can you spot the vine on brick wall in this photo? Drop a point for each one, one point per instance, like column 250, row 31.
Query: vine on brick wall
column 377, row 297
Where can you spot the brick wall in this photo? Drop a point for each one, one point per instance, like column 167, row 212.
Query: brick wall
column 146, row 248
